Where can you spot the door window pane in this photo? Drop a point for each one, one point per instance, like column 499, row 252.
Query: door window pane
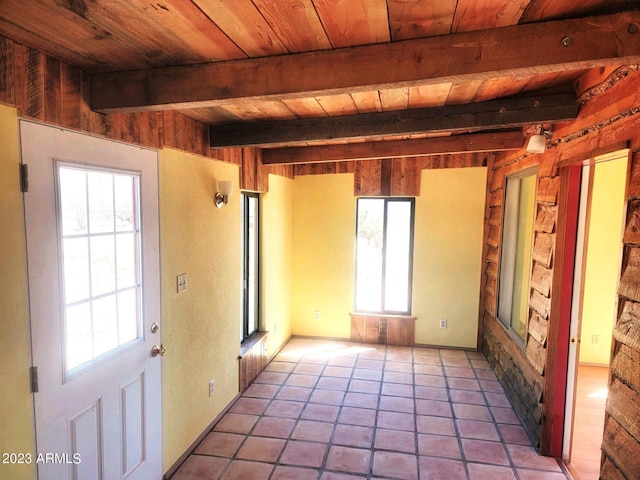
column 126, row 255
column 105, row 325
column 101, row 213
column 76, row 269
column 100, row 243
column 103, row 265
column 73, row 200
column 125, row 191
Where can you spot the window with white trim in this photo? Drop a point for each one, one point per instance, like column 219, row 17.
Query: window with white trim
column 515, row 255
column 99, row 227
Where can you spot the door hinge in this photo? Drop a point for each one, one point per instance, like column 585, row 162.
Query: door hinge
column 33, row 374
column 24, row 177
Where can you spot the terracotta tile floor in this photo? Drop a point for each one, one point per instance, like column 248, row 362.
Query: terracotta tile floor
column 330, row 410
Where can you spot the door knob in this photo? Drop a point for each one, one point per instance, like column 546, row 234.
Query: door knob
column 158, row 350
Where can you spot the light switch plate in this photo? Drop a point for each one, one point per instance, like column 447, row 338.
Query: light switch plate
column 182, row 282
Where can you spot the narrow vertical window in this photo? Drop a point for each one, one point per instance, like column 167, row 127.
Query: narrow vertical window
column 384, row 255
column 251, row 257
column 515, row 256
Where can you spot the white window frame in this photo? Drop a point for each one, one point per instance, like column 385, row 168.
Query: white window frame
column 511, row 223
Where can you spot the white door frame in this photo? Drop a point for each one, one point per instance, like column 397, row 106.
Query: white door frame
column 584, row 214
column 102, row 415
column 576, row 311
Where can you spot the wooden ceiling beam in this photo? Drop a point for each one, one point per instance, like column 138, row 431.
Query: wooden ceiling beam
column 517, row 51
column 479, row 142
column 474, row 117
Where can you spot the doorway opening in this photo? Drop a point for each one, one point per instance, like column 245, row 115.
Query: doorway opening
column 593, row 310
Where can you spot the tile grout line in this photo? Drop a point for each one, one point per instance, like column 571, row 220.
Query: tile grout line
column 393, row 381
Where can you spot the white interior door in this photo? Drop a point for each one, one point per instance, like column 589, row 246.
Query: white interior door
column 91, row 214
column 576, row 307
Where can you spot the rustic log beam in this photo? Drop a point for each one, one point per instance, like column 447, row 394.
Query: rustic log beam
column 480, row 142
column 559, row 45
column 517, row 51
column 495, row 114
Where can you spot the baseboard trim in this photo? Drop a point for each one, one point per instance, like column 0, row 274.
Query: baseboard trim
column 587, row 364
column 178, row 463
column 313, row 337
column 446, row 347
column 423, row 345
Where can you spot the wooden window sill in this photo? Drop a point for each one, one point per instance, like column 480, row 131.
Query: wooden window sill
column 251, row 342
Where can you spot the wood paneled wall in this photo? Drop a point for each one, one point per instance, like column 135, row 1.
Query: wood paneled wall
column 252, row 360
column 621, row 443
column 45, row 89
column 384, row 329
column 606, row 121
column 48, row 90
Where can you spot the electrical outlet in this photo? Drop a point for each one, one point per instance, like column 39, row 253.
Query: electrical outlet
column 275, row 328
column 443, row 323
column 316, row 315
column 595, row 339
column 212, row 385
column 182, row 282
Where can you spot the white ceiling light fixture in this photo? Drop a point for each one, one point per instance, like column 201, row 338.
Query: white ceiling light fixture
column 538, row 142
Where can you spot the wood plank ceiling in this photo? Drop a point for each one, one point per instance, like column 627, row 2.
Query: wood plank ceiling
column 139, row 39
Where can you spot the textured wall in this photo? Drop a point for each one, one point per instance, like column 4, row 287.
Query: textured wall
column 16, row 407
column 276, row 273
column 599, row 308
column 323, row 254
column 201, row 325
column 448, row 255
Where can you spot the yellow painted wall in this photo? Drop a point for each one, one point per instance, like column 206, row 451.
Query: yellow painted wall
column 603, row 260
column 308, row 254
column 276, row 268
column 201, row 329
column 16, row 407
column 448, row 255
column 200, row 326
column 449, row 226
column 323, row 255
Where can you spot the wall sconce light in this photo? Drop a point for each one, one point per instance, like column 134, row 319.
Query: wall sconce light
column 222, row 197
column 538, row 142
